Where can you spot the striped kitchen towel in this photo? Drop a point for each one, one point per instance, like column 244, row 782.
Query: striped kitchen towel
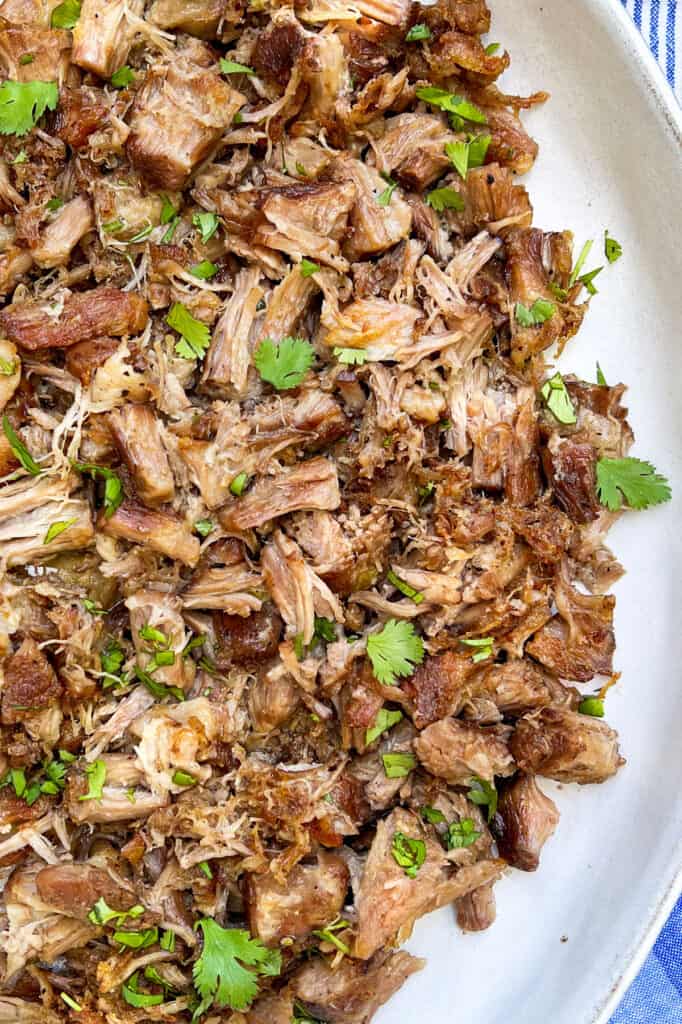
column 660, row 22
column 655, row 996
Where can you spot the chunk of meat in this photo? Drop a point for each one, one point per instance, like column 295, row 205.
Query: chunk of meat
column 277, row 47
column 566, row 746
column 30, row 683
column 80, row 316
column 272, row 1008
column 229, row 588
column 247, row 640
column 179, row 115
column 572, row 474
column 579, row 642
column 310, row 485
column 118, row 803
column 459, row 50
column 229, row 356
column 354, row 990
column 9, row 381
column 519, row 685
column 307, row 219
column 492, row 199
column 525, row 820
column 296, row 589
column 48, row 47
column 103, row 35
column 272, row 700
column 476, row 911
column 288, row 304
column 412, row 148
column 62, row 234
column 373, row 228
column 197, row 17
column 311, row 897
column 80, row 112
column 546, row 530
column 456, row 752
column 137, row 433
column 73, row 889
column 160, row 531
column 85, row 357
column 470, row 16
column 388, row 901
column 438, row 687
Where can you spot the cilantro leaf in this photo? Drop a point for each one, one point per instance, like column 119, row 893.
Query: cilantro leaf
column 593, row 706
column 204, row 270
column 232, row 67
column 207, row 224
column 113, row 488
column 404, row 587
column 483, row 647
column 96, row 773
column 451, row 103
column 483, row 794
column 463, row 155
column 121, row 79
column 558, row 400
column 20, row 450
column 409, row 853
column 22, row 104
column 445, row 199
column 601, row 379
column 66, row 15
column 385, row 198
column 56, row 528
column 418, row 32
column 168, row 211
column 351, row 356
column 204, row 526
column 395, row 651
column 325, row 629
column 196, row 336
column 397, row 766
column 239, row 484
column 308, row 268
column 385, row 720
column 102, row 913
column 613, row 250
column 633, row 479
column 221, row 975
column 461, row 834
column 587, row 280
column 540, row 311
column 432, row 815
column 286, row 364
column 132, row 995
column 491, row 49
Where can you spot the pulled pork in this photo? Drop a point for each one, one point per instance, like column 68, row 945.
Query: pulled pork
column 297, row 566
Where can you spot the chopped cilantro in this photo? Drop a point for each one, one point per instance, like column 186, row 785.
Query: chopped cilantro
column 394, row 651
column 384, row 721
column 601, row 379
column 121, row 79
column 204, row 526
column 409, row 853
column 404, row 587
column 451, row 103
column 22, row 104
column 351, row 356
column 181, row 778
column 207, row 224
column 231, row 67
column 239, row 484
column 397, row 766
column 284, row 365
column 113, row 488
column 204, row 270
column 222, row 976
column 540, row 311
column 461, row 834
column 483, row 794
column 558, row 400
column 66, row 15
column 195, row 336
column 20, row 450
column 308, row 268
column 132, row 995
column 137, row 939
column 56, row 528
column 483, row 647
column 593, row 706
column 613, row 250
column 96, row 773
column 445, row 199
column 325, row 629
column 417, row 33
column 432, row 815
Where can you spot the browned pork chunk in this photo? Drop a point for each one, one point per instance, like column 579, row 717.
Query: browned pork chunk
column 197, row 17
column 179, row 115
column 137, row 433
column 73, row 889
column 310, row 485
column 48, row 47
column 492, row 199
column 76, row 317
column 247, row 639
column 438, row 687
column 57, row 240
column 354, row 991
column 455, row 752
column 388, row 901
column 161, row 531
column 85, row 357
column 30, row 683
column 571, row 470
column 525, row 820
column 308, row 219
column 519, row 685
column 566, row 746
column 103, row 35
column 579, row 642
column 477, row 911
column 311, row 897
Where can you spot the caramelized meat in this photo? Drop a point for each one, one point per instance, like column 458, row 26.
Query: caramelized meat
column 311, row 898
column 455, row 752
column 566, row 746
column 30, row 683
column 525, row 820
column 81, row 317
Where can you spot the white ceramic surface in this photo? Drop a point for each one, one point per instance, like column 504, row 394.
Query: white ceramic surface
column 610, row 156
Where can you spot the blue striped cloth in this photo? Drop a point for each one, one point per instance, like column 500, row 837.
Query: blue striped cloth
column 660, row 22
column 655, row 996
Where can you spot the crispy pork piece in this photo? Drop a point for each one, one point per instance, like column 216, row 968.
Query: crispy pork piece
column 438, row 687
column 77, row 317
column 308, row 219
column 104, row 34
column 354, row 991
column 58, row 239
column 412, row 149
column 389, row 901
column 230, row 588
column 273, row 698
column 137, row 433
column 571, row 470
column 566, row 746
column 526, row 818
column 197, row 17
column 84, row 358
column 272, row 1008
column 179, row 115
column 373, row 228
column 453, row 751
column 161, row 531
column 493, row 200
column 30, row 683
column 311, row 897
column 520, row 685
column 296, row 589
column 310, row 485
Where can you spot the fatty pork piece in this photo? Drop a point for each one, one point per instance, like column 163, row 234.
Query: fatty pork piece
column 178, row 117
column 73, row 889
column 311, row 897
column 137, row 433
column 525, row 820
column 529, row 253
column 566, row 746
column 307, row 220
column 34, row 929
column 161, row 531
column 124, row 795
column 571, row 469
column 156, row 623
column 228, row 588
column 373, row 228
column 492, row 199
column 296, row 589
column 30, row 685
column 310, row 485
column 197, row 17
column 48, row 47
column 388, row 901
column 57, row 238
column 453, row 751
column 29, row 507
column 354, row 990
column 175, row 737
column 103, row 35
column 78, row 316
column 579, row 642
column 412, row 149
